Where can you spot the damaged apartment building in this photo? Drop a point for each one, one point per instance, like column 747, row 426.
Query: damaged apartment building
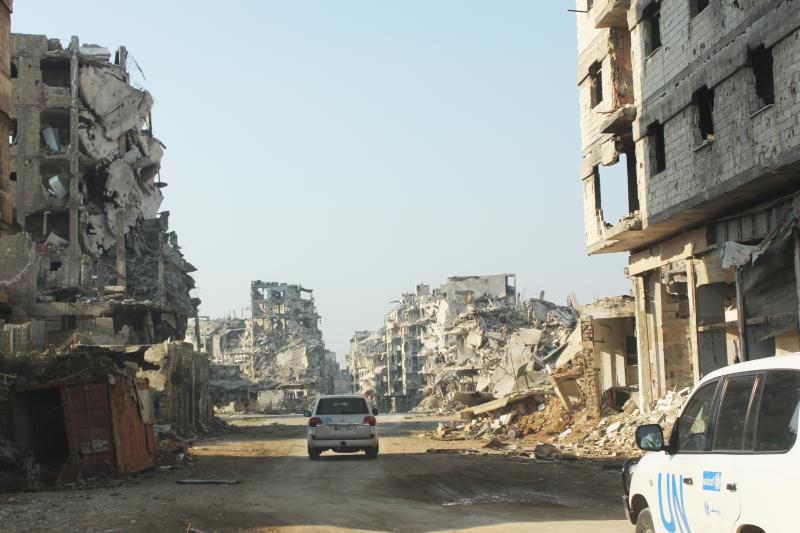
column 89, row 269
column 274, row 361
column 696, row 102
column 471, row 339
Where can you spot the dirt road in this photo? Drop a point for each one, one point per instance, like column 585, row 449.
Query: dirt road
column 405, row 489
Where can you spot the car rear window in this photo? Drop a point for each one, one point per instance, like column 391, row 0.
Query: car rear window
column 342, row 406
column 778, row 412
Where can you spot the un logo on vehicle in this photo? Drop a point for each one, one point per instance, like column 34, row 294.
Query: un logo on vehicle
column 671, row 503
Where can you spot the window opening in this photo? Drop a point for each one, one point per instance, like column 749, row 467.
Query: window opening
column 610, row 184
column 54, row 130
column 55, row 71
column 763, row 68
column 652, row 15
column 657, row 150
column 698, row 6
column 633, row 183
column 703, row 99
column 596, row 83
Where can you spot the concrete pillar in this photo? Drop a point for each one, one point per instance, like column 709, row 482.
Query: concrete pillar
column 643, row 345
column 694, row 350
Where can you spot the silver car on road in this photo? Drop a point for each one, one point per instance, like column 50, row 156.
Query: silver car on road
column 343, row 423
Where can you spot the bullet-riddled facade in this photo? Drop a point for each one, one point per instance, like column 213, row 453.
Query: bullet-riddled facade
column 697, row 102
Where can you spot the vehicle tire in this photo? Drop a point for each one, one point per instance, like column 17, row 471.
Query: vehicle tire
column 313, row 454
column 644, row 524
column 372, row 453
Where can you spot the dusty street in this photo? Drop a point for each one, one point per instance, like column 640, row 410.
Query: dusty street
column 405, row 489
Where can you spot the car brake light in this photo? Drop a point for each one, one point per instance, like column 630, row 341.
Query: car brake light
column 314, row 421
column 369, row 421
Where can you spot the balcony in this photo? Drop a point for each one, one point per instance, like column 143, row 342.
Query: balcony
column 623, row 236
column 609, row 13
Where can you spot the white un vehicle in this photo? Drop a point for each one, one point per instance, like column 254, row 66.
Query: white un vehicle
column 731, row 464
column 342, row 423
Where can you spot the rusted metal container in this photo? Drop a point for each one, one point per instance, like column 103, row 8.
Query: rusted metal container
column 85, row 428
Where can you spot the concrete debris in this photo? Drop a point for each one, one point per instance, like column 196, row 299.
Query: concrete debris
column 108, row 94
column 545, row 451
column 96, row 52
column 274, row 361
column 470, row 335
column 559, row 434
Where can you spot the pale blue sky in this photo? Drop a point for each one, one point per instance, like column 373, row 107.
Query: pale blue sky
column 360, row 147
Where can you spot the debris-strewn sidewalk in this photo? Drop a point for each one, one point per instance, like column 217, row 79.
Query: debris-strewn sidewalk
column 541, row 427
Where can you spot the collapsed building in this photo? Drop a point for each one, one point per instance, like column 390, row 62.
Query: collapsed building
column 93, row 283
column 274, row 361
column 471, row 341
column 696, row 102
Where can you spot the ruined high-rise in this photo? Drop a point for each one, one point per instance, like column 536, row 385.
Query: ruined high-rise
column 697, row 102
column 276, row 359
column 93, row 261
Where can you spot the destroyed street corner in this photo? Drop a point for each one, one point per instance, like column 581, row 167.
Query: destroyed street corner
column 434, row 348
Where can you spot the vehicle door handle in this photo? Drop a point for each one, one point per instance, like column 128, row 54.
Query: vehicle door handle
column 688, row 481
column 731, row 487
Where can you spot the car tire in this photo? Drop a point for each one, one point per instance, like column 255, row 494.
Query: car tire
column 372, row 453
column 644, row 524
column 314, row 454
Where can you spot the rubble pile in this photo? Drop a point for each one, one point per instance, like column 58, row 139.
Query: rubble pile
column 275, row 360
column 469, row 341
column 614, row 435
column 543, row 425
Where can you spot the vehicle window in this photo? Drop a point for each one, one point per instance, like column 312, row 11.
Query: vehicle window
column 729, row 431
column 776, row 428
column 694, row 420
column 342, row 406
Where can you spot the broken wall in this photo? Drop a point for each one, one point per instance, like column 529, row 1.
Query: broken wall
column 179, row 384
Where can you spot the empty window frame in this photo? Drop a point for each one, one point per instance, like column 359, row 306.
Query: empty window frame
column 697, row 6
column 56, row 71
column 633, row 183
column 54, row 130
column 611, row 178
column 598, row 198
column 703, row 99
column 596, row 83
column 652, row 19
column 763, row 69
column 658, row 159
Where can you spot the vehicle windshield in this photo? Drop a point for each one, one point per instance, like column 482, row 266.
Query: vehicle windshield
column 342, row 406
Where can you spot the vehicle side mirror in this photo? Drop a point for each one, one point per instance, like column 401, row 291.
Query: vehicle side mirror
column 650, row 438
column 374, row 411
column 306, row 413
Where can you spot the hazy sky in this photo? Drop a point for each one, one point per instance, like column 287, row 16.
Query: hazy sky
column 360, row 147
